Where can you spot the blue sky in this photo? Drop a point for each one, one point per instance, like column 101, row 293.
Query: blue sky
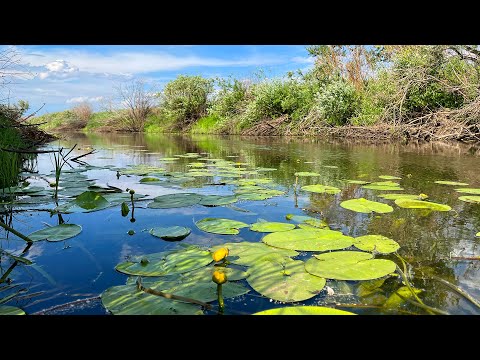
column 62, row 76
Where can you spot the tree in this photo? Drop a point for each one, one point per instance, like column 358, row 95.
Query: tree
column 82, row 114
column 138, row 103
column 185, row 99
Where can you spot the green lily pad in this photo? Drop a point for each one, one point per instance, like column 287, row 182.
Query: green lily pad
column 395, row 301
column 207, row 291
column 304, row 310
column 358, row 182
column 10, row 310
column 330, row 166
column 378, row 243
column 383, row 185
column 91, row 200
column 220, row 226
column 419, row 204
column 399, row 196
column 470, row 199
column 149, row 179
column 249, row 253
column 468, row 191
column 389, row 177
column 349, row 265
column 477, row 234
column 171, row 233
column 306, row 173
column 56, row 233
column 285, row 281
column 369, row 287
column 175, row 201
column 217, row 200
column 128, row 300
column 168, row 159
column 307, row 220
column 254, row 197
column 321, row 189
column 166, row 263
column 309, row 240
column 271, row 227
column 453, row 183
column 205, row 273
column 366, row 206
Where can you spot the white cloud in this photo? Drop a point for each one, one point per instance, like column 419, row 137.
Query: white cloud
column 80, row 99
column 58, row 69
column 303, row 59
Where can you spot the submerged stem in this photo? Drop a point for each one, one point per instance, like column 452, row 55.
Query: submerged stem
column 15, row 232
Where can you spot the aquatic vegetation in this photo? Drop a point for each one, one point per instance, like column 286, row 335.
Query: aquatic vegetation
column 308, row 220
column 419, row 204
column 383, row 185
column 349, row 265
column 389, row 177
column 56, row 233
column 468, row 191
column 470, row 199
column 321, row 189
column 10, row 310
column 171, row 233
column 452, row 183
column 249, row 253
column 376, row 243
column 175, row 201
column 217, row 200
column 266, row 226
column 398, row 297
column 304, row 310
column 306, row 173
column 400, row 196
column 363, row 205
column 220, row 226
column 357, row 182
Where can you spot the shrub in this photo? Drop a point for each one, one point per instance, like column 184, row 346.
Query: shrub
column 82, row 114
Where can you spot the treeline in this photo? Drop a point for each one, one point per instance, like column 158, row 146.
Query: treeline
column 417, row 92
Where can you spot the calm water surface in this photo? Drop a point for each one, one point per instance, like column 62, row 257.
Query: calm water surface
column 83, row 267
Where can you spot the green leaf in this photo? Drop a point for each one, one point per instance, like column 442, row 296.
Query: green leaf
column 249, row 253
column 217, row 200
column 304, row 310
column 468, row 191
column 166, row 263
column 395, row 301
column 358, row 182
column 321, row 189
column 453, row 183
column 389, row 177
column 175, row 201
column 125, row 209
column 369, row 287
column 10, row 310
column 378, row 243
column 56, row 233
column 271, row 227
column 419, row 204
column 477, row 234
column 91, row 200
column 349, row 265
column 383, row 185
column 306, row 173
column 307, row 220
column 399, row 196
column 366, row 206
column 285, row 281
column 254, row 196
column 309, row 240
column 220, row 226
column 168, row 159
column 171, row 233
column 128, row 300
column 149, row 179
column 207, row 291
column 205, row 274
column 470, row 199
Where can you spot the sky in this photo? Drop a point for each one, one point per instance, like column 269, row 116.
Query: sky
column 63, row 76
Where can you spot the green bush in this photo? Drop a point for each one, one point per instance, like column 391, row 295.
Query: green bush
column 230, row 99
column 337, row 102
column 206, row 125
column 186, row 99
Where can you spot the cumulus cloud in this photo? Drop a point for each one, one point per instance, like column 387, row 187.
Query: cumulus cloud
column 303, row 59
column 58, row 68
column 80, row 99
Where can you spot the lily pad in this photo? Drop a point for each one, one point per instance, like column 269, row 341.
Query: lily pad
column 56, row 233
column 128, row 300
column 383, row 185
column 399, row 196
column 306, row 173
column 349, row 265
column 217, row 200
column 254, row 197
column 220, row 226
column 149, row 179
column 389, row 177
column 395, row 301
column 166, row 263
column 168, row 159
column 271, row 227
column 377, row 243
column 87, row 201
column 321, row 189
column 175, row 201
column 477, row 234
column 453, row 183
column 309, row 240
column 304, row 310
column 205, row 273
column 249, row 253
column 10, row 310
column 171, row 233
column 363, row 205
column 307, row 220
column 285, row 281
column 468, row 191
column 358, row 182
column 419, row 204
column 470, row 199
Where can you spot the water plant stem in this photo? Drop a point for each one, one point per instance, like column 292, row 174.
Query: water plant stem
column 457, row 289
column 15, row 232
column 221, row 304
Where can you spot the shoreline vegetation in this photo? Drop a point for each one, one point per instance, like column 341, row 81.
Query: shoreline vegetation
column 375, row 93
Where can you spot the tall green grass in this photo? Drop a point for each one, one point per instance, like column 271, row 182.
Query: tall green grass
column 10, row 163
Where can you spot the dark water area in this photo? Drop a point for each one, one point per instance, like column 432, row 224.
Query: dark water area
column 84, row 266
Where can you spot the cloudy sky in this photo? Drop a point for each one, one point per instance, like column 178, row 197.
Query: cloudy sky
column 62, row 76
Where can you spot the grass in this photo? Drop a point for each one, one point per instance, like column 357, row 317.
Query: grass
column 206, row 125
column 10, row 163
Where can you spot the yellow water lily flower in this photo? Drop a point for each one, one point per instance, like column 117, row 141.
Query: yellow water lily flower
column 220, row 254
column 219, row 277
